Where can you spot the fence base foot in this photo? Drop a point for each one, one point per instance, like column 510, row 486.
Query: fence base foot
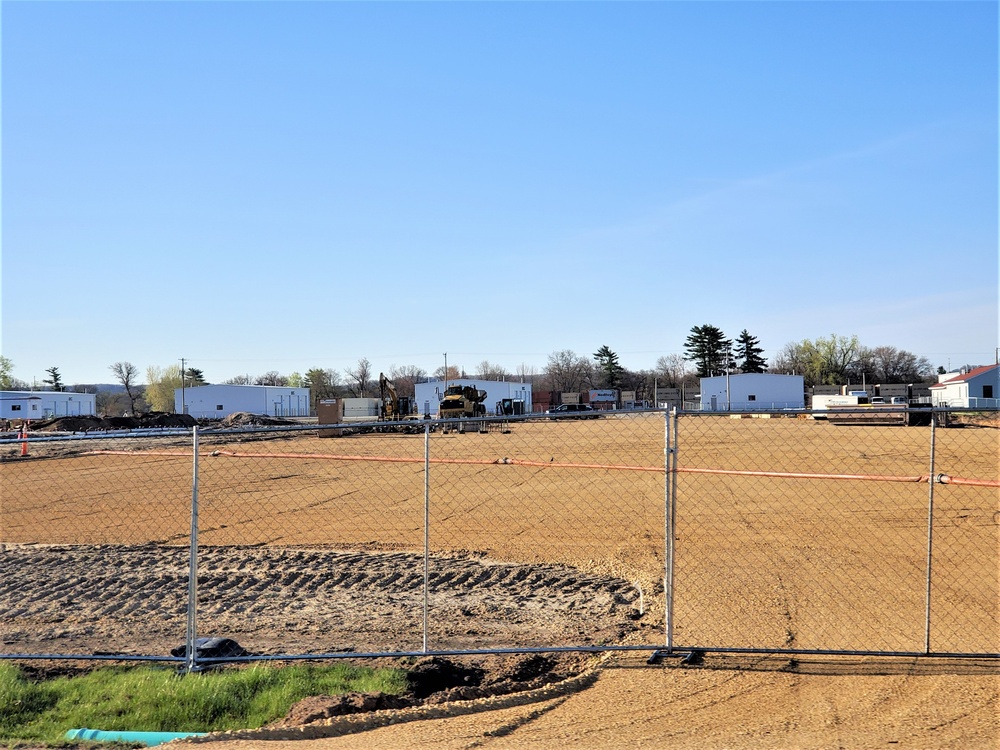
column 689, row 659
column 657, row 656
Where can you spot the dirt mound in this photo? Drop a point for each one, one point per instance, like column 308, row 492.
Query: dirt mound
column 89, row 423
column 246, row 419
column 436, row 680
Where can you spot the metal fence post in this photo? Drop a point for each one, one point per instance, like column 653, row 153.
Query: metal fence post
column 669, row 508
column 427, row 519
column 192, row 605
column 930, row 538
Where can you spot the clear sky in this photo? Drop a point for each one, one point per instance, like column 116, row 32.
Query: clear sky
column 258, row 186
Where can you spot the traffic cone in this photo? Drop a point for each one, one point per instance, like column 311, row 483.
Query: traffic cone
column 24, row 440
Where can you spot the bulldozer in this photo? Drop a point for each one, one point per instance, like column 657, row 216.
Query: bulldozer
column 462, row 401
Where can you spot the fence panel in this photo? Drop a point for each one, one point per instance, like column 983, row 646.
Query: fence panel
column 965, row 563
column 560, row 522
column 774, row 551
column 94, row 544
column 310, row 544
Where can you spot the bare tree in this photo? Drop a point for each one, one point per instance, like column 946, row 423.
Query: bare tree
column 526, row 373
column 671, row 370
column 272, row 377
column 486, row 370
column 238, row 380
column 892, row 365
column 126, row 373
column 361, row 377
column 568, row 371
column 406, row 377
column 453, row 372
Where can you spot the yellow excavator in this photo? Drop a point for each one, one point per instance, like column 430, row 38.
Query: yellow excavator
column 393, row 407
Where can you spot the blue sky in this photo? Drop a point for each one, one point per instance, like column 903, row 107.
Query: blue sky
column 260, row 186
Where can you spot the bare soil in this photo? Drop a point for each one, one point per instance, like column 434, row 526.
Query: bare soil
column 318, row 553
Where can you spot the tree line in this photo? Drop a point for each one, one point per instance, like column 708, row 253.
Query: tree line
column 832, row 360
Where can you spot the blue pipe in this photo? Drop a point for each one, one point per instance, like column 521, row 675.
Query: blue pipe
column 149, row 739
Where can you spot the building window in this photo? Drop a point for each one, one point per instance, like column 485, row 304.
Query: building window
column 15, row 407
column 34, row 407
column 219, row 407
column 751, row 397
column 987, row 391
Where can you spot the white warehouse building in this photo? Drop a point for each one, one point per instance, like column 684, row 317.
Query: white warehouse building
column 752, row 391
column 219, row 401
column 427, row 396
column 46, row 404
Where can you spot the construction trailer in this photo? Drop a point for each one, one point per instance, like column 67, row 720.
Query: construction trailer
column 31, row 405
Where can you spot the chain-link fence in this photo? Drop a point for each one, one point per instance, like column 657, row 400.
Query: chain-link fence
column 775, row 532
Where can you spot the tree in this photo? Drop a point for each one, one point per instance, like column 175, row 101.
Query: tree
column 238, row 380
column 453, row 373
column 567, row 371
column 892, row 365
column 710, row 350
column 825, row 361
column 672, row 371
column 54, row 379
column 127, row 374
column 194, row 377
column 486, row 370
column 160, row 386
column 748, row 353
column 406, row 378
column 271, row 377
column 526, row 373
column 322, row 384
column 361, row 375
column 6, row 368
column 609, row 367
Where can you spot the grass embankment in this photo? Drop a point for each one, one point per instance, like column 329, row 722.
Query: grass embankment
column 158, row 699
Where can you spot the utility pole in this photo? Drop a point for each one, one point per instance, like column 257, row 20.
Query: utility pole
column 183, row 405
column 446, row 370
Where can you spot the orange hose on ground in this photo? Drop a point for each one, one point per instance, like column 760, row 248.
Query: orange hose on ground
column 939, row 478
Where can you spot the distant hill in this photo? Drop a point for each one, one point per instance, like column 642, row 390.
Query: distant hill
column 98, row 387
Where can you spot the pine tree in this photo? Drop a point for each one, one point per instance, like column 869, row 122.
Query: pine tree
column 710, row 350
column 611, row 369
column 54, row 379
column 194, row 377
column 748, row 353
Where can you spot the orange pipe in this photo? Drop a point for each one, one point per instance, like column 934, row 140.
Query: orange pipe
column 940, row 478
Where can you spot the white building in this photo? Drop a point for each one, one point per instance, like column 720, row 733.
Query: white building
column 219, row 401
column 978, row 388
column 46, row 404
column 752, row 391
column 428, row 395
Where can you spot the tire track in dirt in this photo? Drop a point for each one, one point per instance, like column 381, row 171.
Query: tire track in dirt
column 82, row 599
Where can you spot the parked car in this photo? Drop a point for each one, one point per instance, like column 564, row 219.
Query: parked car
column 579, row 411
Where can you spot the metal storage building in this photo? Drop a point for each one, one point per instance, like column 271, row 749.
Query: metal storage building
column 752, row 391
column 219, row 401
column 46, row 404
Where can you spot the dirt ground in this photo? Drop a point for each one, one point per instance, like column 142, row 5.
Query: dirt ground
column 528, row 554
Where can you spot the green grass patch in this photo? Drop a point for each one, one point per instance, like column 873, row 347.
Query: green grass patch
column 158, row 699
